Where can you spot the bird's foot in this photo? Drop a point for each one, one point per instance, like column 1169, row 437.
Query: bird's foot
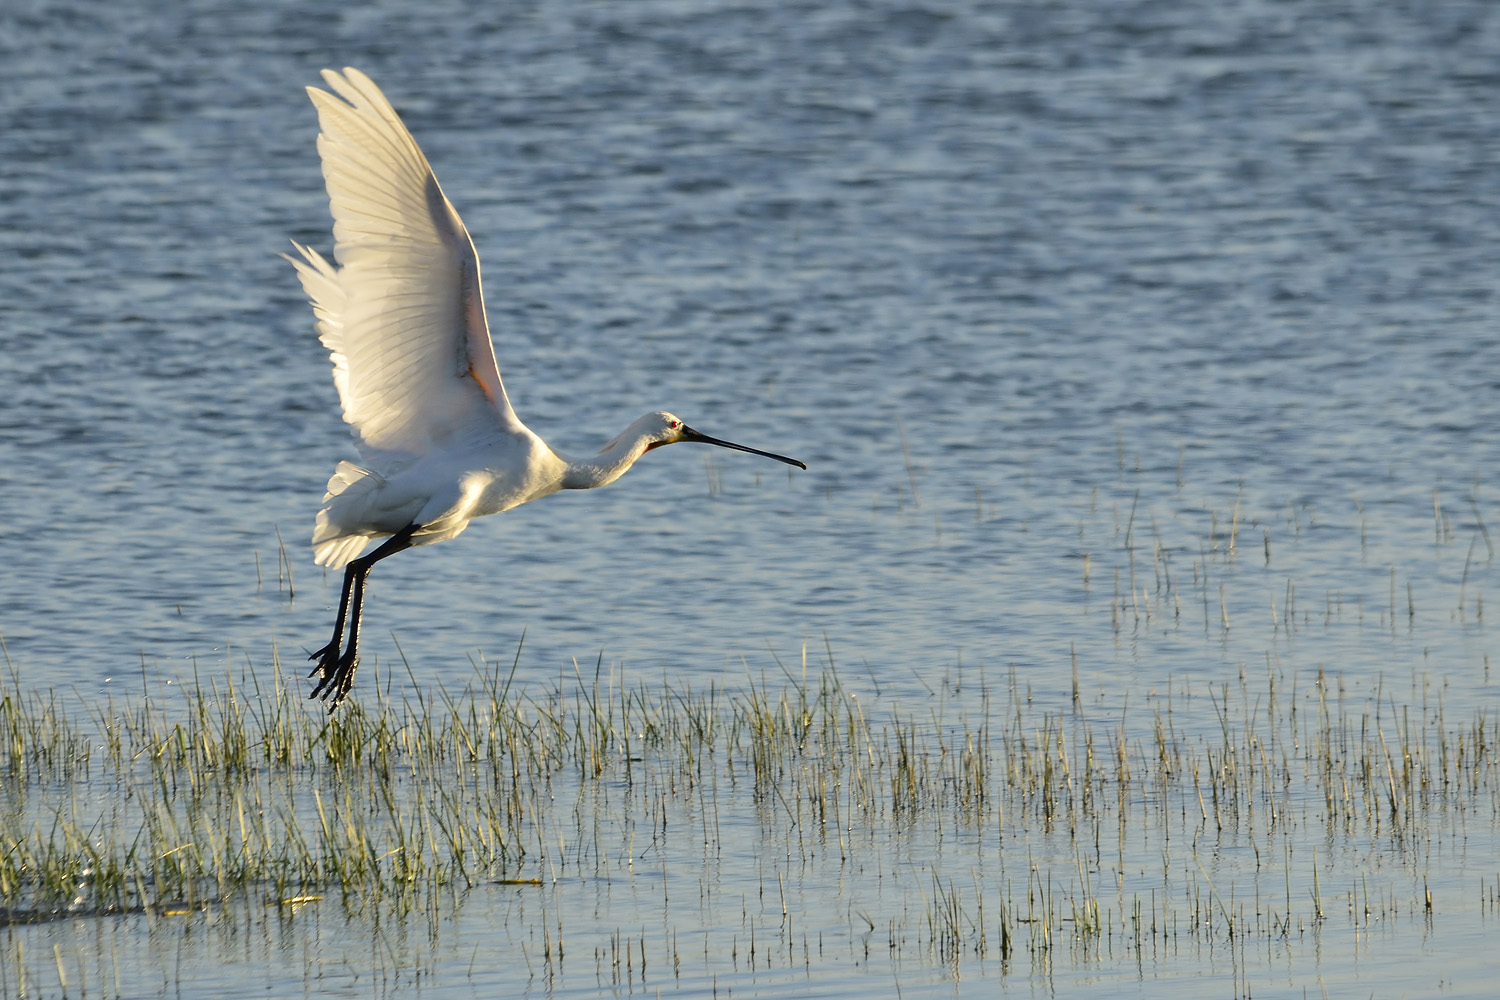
column 335, row 674
column 326, row 654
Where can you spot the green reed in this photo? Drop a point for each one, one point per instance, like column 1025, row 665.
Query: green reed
column 234, row 790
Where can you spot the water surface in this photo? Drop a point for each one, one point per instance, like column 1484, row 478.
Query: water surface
column 1118, row 332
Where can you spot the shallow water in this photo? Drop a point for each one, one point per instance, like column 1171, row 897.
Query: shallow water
column 1156, row 335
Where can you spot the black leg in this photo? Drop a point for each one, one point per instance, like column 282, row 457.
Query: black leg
column 329, row 653
column 332, row 667
column 336, row 663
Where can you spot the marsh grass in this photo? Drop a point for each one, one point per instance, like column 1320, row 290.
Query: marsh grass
column 1015, row 830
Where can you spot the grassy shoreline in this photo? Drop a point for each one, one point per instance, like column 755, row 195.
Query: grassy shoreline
column 240, row 793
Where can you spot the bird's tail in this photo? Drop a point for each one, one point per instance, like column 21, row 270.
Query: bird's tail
column 348, row 491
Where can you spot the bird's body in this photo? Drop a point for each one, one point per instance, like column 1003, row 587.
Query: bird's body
column 444, row 490
column 402, row 315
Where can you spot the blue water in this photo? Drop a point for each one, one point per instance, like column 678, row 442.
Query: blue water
column 1029, row 286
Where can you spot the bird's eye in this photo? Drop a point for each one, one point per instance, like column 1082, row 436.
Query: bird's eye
column 674, row 424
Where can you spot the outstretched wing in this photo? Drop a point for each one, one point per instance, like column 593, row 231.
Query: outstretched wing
column 402, row 314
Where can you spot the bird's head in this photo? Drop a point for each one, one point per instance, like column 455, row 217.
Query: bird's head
column 661, row 428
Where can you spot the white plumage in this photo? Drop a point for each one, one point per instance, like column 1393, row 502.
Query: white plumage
column 402, row 316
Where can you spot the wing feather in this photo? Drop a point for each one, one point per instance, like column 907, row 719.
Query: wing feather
column 402, row 313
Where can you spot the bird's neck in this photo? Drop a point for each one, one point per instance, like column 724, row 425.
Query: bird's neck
column 607, row 466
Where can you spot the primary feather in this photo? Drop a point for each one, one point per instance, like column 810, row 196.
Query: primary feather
column 402, row 315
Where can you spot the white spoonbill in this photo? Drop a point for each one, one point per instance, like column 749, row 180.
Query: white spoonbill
column 403, row 319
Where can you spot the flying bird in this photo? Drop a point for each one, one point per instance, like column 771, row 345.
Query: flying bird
column 402, row 317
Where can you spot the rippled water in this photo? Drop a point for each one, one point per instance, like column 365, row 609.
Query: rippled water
column 1030, row 286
